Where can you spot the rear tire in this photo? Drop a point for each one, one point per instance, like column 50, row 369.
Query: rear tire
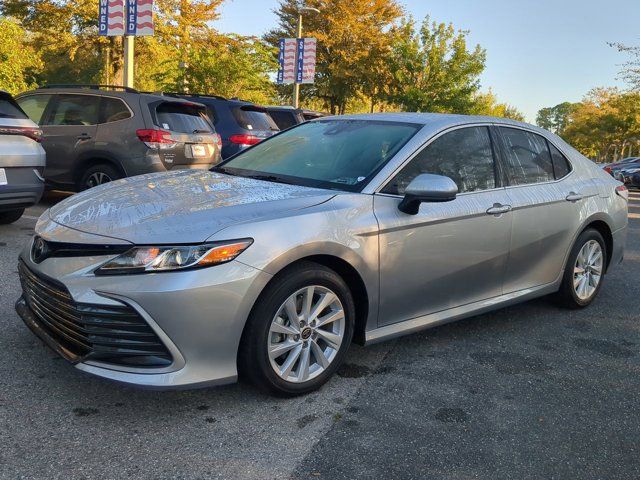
column 10, row 216
column 584, row 272
column 284, row 320
column 98, row 175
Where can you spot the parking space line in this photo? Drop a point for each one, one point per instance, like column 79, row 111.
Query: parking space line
column 634, row 215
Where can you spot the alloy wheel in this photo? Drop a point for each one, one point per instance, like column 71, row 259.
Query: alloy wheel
column 97, row 178
column 306, row 333
column 587, row 271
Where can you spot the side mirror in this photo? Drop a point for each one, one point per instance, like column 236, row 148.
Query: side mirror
column 427, row 188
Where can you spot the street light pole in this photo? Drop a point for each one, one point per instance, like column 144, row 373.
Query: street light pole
column 296, row 85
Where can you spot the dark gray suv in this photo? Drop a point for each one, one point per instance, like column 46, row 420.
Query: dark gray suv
column 94, row 134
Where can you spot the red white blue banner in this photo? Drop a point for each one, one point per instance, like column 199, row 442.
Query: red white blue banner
column 306, row 66
column 111, row 18
column 139, row 17
column 287, row 61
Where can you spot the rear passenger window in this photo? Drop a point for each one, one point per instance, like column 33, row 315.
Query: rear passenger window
column 34, row 106
column 527, row 157
column 464, row 155
column 76, row 110
column 561, row 166
column 113, row 109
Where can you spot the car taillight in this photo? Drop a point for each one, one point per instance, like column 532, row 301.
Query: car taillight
column 244, row 139
column 622, row 191
column 30, row 132
column 155, row 138
column 607, row 169
column 217, row 139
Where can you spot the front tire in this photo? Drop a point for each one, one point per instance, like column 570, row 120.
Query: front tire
column 10, row 216
column 584, row 272
column 299, row 331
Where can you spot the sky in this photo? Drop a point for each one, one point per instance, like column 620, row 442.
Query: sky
column 539, row 52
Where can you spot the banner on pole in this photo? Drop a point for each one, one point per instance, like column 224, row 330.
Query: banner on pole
column 139, row 17
column 306, row 66
column 287, row 61
column 111, row 18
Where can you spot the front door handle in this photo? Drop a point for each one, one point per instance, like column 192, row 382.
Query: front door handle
column 83, row 136
column 498, row 209
column 574, row 197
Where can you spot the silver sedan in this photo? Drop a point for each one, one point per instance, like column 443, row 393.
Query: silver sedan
column 353, row 228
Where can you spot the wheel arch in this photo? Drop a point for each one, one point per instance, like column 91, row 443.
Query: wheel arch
column 345, row 266
column 96, row 158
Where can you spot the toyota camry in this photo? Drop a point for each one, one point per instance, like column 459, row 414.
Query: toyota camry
column 343, row 229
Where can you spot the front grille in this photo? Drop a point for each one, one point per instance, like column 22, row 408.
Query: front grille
column 111, row 334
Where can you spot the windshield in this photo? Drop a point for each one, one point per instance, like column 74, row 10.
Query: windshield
column 337, row 154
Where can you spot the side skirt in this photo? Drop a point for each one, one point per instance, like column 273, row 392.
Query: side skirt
column 457, row 313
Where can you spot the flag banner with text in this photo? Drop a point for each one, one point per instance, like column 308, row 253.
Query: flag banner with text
column 111, row 18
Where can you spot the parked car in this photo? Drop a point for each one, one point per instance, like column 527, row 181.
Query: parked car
column 286, row 117
column 635, row 180
column 239, row 123
column 94, row 134
column 613, row 168
column 22, row 160
column 360, row 227
column 626, row 174
column 312, row 114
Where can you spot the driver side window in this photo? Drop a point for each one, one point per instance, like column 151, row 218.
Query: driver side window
column 465, row 155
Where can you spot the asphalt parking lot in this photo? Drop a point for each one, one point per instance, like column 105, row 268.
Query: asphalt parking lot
column 530, row 391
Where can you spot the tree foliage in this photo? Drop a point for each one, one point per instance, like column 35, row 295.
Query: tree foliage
column 631, row 69
column 19, row 63
column 555, row 118
column 604, row 123
column 434, row 70
column 371, row 56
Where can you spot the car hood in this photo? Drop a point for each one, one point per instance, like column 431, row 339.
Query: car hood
column 179, row 207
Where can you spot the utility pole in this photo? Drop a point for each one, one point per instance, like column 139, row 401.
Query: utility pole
column 296, row 85
column 128, row 60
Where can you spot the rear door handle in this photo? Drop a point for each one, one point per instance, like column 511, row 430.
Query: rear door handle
column 498, row 209
column 83, row 136
column 574, row 197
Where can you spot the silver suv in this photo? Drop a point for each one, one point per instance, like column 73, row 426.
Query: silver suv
column 94, row 134
column 22, row 160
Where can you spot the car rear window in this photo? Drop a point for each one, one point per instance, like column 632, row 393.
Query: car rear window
column 251, row 117
column 283, row 119
column 182, row 118
column 9, row 109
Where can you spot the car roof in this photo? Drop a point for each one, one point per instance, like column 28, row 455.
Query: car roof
column 110, row 91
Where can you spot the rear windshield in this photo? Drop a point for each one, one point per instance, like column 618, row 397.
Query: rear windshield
column 253, row 118
column 283, row 118
column 183, row 118
column 9, row 109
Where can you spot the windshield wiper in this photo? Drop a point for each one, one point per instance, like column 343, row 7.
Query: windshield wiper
column 270, row 178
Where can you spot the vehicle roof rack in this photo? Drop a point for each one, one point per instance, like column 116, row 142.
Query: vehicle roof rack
column 91, row 86
column 219, row 97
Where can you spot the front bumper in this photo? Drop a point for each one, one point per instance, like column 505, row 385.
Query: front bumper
column 199, row 315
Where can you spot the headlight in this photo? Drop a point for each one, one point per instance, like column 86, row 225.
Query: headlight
column 169, row 258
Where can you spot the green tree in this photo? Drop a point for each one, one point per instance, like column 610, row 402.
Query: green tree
column 354, row 37
column 487, row 104
column 605, row 123
column 631, row 69
column 435, row 71
column 20, row 65
column 555, row 118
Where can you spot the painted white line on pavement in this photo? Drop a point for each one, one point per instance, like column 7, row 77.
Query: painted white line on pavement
column 634, row 215
column 29, row 217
